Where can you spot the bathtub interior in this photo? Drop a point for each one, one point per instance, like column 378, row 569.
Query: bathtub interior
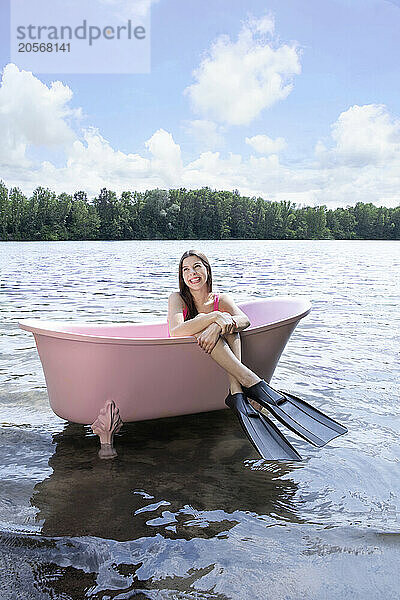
column 273, row 310
column 120, row 330
column 260, row 313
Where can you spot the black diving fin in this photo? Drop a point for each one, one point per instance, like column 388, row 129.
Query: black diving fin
column 269, row 442
column 296, row 414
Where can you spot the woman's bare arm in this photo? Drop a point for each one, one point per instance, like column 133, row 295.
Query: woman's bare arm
column 227, row 304
column 178, row 327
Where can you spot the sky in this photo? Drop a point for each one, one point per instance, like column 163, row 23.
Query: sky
column 283, row 99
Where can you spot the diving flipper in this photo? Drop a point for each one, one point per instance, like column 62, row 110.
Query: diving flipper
column 296, row 414
column 269, row 442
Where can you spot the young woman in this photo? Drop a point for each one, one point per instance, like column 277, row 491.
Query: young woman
column 215, row 321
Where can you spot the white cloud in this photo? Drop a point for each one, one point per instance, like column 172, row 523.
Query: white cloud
column 221, row 173
column 93, row 164
column 206, row 134
column 362, row 135
column 236, row 81
column 166, row 162
column 266, row 145
column 265, row 25
column 32, row 114
column 95, row 157
column 361, row 161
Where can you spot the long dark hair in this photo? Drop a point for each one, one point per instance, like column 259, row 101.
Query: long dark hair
column 184, row 291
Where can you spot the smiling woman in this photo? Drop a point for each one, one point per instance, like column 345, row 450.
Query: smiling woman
column 196, row 307
column 196, row 311
column 215, row 321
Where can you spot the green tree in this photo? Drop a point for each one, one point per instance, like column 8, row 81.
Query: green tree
column 184, row 214
column 273, row 221
column 394, row 226
column 4, row 211
column 17, row 206
column 185, row 219
column 259, row 219
column 341, row 223
column 366, row 217
column 315, row 219
column 108, row 209
column 241, row 217
column 153, row 214
column 83, row 222
column 39, row 218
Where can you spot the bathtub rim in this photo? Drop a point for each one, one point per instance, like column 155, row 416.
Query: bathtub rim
column 54, row 328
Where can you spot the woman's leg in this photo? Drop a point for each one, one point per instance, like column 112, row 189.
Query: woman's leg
column 233, row 340
column 235, row 345
column 224, row 356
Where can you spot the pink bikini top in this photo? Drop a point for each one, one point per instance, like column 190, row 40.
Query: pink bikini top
column 185, row 310
column 215, row 307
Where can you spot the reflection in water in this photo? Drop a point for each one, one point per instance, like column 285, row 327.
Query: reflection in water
column 181, row 477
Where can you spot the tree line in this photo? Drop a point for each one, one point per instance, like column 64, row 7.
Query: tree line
column 183, row 214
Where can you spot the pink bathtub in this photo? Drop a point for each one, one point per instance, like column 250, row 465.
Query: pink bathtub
column 97, row 373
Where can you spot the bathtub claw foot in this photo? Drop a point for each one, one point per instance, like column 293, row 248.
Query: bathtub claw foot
column 107, row 451
column 105, row 426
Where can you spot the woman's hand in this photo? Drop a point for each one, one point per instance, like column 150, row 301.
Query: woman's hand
column 225, row 321
column 209, row 337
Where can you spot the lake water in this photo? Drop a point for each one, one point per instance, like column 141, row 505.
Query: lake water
column 187, row 510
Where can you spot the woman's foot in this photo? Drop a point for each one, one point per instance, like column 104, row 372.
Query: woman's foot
column 254, row 403
column 236, row 388
column 264, row 394
column 230, row 402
